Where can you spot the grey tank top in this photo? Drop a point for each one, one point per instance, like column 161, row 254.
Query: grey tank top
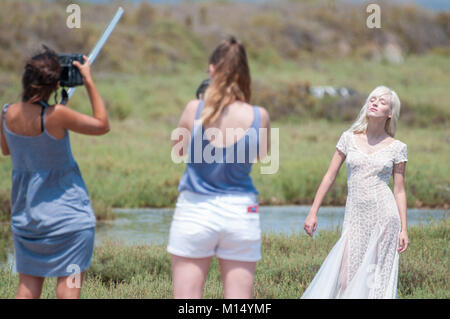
column 48, row 194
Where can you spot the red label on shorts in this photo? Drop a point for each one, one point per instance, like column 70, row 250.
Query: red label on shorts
column 252, row 209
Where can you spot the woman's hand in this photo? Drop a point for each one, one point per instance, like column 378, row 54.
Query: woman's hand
column 310, row 223
column 403, row 241
column 85, row 69
column 98, row 123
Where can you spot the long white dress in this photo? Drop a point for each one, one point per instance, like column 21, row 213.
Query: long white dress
column 363, row 263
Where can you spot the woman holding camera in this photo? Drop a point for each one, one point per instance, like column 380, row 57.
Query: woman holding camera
column 217, row 208
column 52, row 218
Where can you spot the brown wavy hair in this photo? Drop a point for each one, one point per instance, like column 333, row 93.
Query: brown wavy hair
column 41, row 75
column 231, row 80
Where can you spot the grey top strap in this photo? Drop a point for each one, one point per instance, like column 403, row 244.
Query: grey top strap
column 5, row 107
column 199, row 109
column 42, row 103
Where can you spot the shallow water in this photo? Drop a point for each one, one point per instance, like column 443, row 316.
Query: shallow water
column 151, row 226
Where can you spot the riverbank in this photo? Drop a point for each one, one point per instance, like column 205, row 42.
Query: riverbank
column 288, row 265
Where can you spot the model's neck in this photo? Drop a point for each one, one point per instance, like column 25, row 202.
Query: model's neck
column 375, row 128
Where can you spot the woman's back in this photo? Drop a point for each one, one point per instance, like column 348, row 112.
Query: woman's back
column 32, row 147
column 223, row 166
column 237, row 118
column 48, row 195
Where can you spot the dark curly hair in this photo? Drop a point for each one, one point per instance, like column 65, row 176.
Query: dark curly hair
column 41, row 76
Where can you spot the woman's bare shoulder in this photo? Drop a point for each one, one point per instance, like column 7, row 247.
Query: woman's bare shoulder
column 192, row 105
column 188, row 116
column 265, row 117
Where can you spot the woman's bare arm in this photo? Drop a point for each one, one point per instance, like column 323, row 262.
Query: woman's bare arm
column 5, row 147
column 184, row 129
column 400, row 198
column 264, row 145
column 327, row 181
column 66, row 118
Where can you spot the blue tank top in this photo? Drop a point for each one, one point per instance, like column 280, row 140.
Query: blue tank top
column 48, row 195
column 229, row 172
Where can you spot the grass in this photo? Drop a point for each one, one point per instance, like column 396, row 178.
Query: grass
column 131, row 166
column 288, row 265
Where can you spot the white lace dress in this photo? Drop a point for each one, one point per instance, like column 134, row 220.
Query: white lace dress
column 364, row 261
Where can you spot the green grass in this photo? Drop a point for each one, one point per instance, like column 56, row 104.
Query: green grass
column 421, row 79
column 131, row 165
column 288, row 265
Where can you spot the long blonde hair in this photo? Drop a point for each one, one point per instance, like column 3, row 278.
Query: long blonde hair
column 230, row 82
column 360, row 125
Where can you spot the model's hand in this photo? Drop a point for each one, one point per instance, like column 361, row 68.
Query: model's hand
column 310, row 224
column 85, row 69
column 403, row 241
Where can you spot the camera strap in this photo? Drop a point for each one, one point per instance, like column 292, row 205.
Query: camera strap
column 44, row 106
column 64, row 97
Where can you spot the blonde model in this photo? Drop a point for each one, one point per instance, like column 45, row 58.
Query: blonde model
column 364, row 262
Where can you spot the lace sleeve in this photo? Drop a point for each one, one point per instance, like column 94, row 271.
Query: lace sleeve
column 342, row 143
column 402, row 155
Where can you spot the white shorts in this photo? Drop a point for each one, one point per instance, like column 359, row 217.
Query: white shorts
column 226, row 226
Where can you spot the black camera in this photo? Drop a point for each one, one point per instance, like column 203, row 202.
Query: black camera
column 200, row 93
column 70, row 75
